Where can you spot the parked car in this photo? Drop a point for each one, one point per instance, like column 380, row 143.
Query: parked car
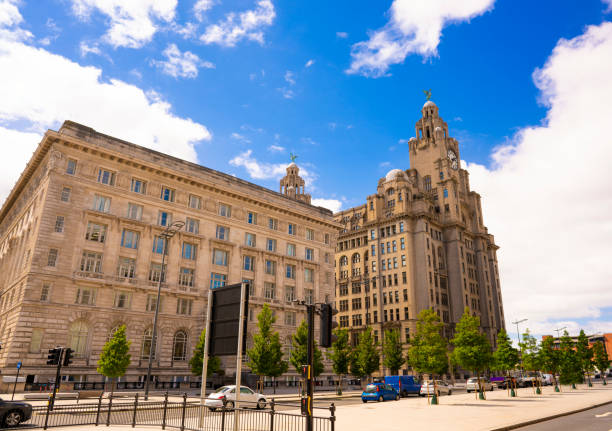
column 12, row 413
column 379, row 392
column 228, row 393
column 472, row 384
column 404, row 385
column 441, row 387
column 547, row 379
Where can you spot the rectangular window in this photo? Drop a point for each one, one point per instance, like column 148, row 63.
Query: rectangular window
column 251, row 217
column 159, row 245
column 35, row 340
column 65, row 195
column 273, row 223
column 156, row 274
column 134, row 211
column 138, row 186
column 251, row 284
column 59, row 224
column 126, row 267
column 289, row 293
column 401, row 226
column 192, row 225
column 326, row 238
column 356, row 304
column 195, row 202
column 152, row 302
column 186, row 277
column 189, row 251
column 310, row 235
column 101, row 203
column 250, row 239
column 223, row 233
column 291, row 229
column 45, row 292
column 96, row 232
column 91, row 262
column 309, row 254
column 52, row 257
column 343, row 290
column 122, row 299
column 225, row 210
column 290, row 272
column 290, row 318
column 403, row 260
column 71, row 167
column 106, row 177
column 248, row 263
column 167, row 194
column 291, row 250
column 269, row 290
column 270, row 267
column 395, row 262
column 271, row 244
column 219, row 257
column 373, row 253
column 85, row 296
column 183, row 306
column 403, row 277
column 309, row 296
column 130, row 239
column 217, row 280
column 164, row 218
column 308, row 275
column 343, row 305
column 344, row 321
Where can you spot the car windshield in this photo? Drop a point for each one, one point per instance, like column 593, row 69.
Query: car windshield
column 371, row 388
column 222, row 389
column 473, row 380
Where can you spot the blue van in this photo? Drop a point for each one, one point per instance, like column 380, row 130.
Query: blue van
column 379, row 392
column 404, row 385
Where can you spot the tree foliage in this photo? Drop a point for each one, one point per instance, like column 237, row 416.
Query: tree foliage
column 550, row 358
column 472, row 350
column 299, row 351
column 584, row 353
column 115, row 357
column 600, row 358
column 506, row 356
column 196, row 361
column 266, row 356
column 393, row 350
column 365, row 358
column 340, row 352
column 428, row 348
column 530, row 352
column 570, row 367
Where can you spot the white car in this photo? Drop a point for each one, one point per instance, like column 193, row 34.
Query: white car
column 441, row 388
column 251, row 398
column 472, row 384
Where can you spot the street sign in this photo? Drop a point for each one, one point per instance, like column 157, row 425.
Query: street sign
column 225, row 315
column 19, row 365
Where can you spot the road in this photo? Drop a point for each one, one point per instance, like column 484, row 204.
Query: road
column 598, row 419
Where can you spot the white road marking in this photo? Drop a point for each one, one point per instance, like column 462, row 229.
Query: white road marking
column 603, row 415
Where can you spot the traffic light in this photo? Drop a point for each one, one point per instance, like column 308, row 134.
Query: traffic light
column 306, row 371
column 305, row 405
column 327, row 325
column 68, row 356
column 54, row 356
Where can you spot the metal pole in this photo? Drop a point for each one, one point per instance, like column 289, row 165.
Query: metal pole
column 206, row 347
column 310, row 359
column 239, row 355
column 153, row 345
column 518, row 337
column 15, row 385
column 57, row 377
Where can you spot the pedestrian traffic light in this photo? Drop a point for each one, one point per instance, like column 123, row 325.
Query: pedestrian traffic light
column 305, row 403
column 54, row 356
column 327, row 325
column 68, row 356
column 306, row 371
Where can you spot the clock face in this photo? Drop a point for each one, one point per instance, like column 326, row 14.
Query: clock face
column 452, row 158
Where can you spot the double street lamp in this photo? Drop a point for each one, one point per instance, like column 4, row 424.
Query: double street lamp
column 518, row 336
column 168, row 233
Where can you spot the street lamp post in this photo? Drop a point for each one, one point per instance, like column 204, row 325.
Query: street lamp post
column 168, row 233
column 518, row 337
column 559, row 336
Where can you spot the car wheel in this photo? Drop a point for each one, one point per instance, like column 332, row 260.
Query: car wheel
column 468, row 391
column 492, row 388
column 261, row 404
column 450, row 392
column 364, row 401
column 13, row 418
column 212, row 409
column 380, row 398
column 397, row 397
column 229, row 405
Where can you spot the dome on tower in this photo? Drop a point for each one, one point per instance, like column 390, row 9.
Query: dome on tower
column 292, row 165
column 395, row 173
column 428, row 103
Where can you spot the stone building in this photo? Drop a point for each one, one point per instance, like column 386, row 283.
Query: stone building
column 418, row 242
column 80, row 254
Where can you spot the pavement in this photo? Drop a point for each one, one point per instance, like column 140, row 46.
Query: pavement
column 598, row 419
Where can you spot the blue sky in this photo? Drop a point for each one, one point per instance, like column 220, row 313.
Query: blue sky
column 238, row 85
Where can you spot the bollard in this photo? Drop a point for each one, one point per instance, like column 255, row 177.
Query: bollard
column 98, row 411
column 434, row 399
column 512, row 393
column 183, row 414
column 165, row 410
column 481, row 395
column 135, row 409
column 556, row 388
column 272, row 415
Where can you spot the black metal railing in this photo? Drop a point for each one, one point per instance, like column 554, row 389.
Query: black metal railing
column 182, row 415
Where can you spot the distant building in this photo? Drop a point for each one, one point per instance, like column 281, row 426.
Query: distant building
column 418, row 242
column 80, row 254
column 606, row 339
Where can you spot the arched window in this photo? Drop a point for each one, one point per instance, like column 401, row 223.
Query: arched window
column 356, row 258
column 79, row 332
column 112, row 332
column 427, row 183
column 179, row 346
column 343, row 261
column 147, row 338
column 390, row 191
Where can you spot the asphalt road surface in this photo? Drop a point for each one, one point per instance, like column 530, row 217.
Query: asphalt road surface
column 598, row 419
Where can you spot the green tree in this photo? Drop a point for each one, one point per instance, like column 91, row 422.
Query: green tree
column 340, row 355
column 472, row 350
column 506, row 356
column 585, row 355
column 115, row 356
column 600, row 357
column 299, row 351
column 428, row 352
column 550, row 358
column 197, row 359
column 570, row 367
column 266, row 356
column 365, row 358
column 393, row 350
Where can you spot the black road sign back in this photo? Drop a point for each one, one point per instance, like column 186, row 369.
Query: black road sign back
column 224, row 320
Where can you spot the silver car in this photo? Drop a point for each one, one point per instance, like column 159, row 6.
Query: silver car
column 441, row 387
column 472, row 384
column 228, row 393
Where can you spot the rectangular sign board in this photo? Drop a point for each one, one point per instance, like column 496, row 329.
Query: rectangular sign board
column 224, row 320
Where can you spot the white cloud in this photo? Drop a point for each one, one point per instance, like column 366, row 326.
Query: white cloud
column 311, row 61
column 246, row 25
column 547, row 198
column 9, row 13
column 290, row 77
column 17, row 147
column 132, row 23
column 384, row 164
column 85, row 49
column 276, row 148
column 202, row 6
column 239, row 137
column 32, row 102
column 181, row 64
column 331, row 204
column 259, row 170
column 309, row 141
column 286, row 92
column 341, row 34
column 415, row 27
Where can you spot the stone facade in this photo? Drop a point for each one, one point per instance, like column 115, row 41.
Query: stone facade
column 80, row 254
column 418, row 242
